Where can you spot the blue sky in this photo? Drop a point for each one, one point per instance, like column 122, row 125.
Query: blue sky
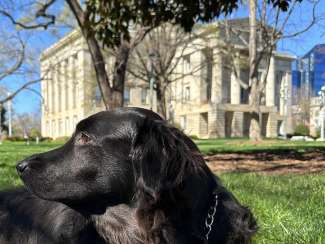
column 40, row 40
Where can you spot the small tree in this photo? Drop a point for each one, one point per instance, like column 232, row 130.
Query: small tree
column 4, row 126
column 157, row 57
column 110, row 24
column 267, row 25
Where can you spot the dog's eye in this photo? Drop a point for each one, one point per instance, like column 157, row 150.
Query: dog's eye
column 83, row 139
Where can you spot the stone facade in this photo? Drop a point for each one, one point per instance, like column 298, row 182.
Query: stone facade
column 223, row 111
column 68, row 87
column 208, row 103
column 315, row 116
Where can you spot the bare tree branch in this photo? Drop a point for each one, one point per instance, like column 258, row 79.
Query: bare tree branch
column 17, row 65
column 40, row 13
column 20, row 89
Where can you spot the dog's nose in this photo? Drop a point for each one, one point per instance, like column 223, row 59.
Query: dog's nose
column 22, row 166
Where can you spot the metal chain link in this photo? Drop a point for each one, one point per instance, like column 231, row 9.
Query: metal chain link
column 210, row 217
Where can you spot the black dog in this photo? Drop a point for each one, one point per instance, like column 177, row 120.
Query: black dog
column 124, row 177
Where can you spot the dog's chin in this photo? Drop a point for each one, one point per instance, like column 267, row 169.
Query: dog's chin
column 40, row 188
column 39, row 191
column 78, row 201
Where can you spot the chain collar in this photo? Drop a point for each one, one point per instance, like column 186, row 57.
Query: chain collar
column 210, row 217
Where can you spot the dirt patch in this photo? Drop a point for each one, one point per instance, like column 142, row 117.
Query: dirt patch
column 268, row 163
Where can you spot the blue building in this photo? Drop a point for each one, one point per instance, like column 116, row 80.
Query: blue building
column 309, row 71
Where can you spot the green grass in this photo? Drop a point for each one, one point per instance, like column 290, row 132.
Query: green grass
column 211, row 146
column 10, row 154
column 289, row 209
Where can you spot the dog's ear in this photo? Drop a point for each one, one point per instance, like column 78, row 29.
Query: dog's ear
column 162, row 157
column 164, row 161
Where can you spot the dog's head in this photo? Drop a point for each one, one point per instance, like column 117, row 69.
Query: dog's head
column 109, row 155
column 132, row 156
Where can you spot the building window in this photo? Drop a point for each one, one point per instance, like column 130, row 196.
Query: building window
column 187, row 63
column 278, row 81
column 126, row 95
column 183, row 122
column 204, row 123
column 226, row 84
column 244, row 94
column 260, row 76
column 206, row 74
column 98, row 95
column 144, row 95
column 187, row 94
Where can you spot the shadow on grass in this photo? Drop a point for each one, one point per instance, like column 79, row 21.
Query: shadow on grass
column 297, row 153
column 274, row 161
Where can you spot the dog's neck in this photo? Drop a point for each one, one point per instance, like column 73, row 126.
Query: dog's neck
column 118, row 225
column 203, row 201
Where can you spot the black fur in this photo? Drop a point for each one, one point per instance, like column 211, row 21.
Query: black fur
column 124, row 177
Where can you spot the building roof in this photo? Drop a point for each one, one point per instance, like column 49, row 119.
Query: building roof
column 318, row 47
column 203, row 29
column 63, row 42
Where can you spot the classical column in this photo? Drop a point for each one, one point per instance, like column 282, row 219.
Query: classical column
column 70, row 85
column 44, row 92
column 73, row 81
column 271, row 125
column 237, row 124
column 237, row 118
column 70, row 81
column 216, row 83
column 63, row 85
column 54, row 90
column 270, row 84
column 59, row 88
column 80, row 79
column 235, row 87
column 289, row 124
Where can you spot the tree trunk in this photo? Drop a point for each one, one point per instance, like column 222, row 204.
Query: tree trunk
column 101, row 75
column 112, row 97
column 161, row 100
column 254, row 97
column 121, row 60
column 255, row 125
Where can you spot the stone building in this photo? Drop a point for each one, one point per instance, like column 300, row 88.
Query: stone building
column 207, row 103
column 67, row 89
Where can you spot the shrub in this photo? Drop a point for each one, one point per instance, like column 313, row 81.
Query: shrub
column 301, row 130
column 21, row 138
column 15, row 138
column 194, row 137
column 46, row 139
column 62, row 139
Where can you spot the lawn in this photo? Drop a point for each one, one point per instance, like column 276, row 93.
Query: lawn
column 211, row 146
column 289, row 208
column 10, row 153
